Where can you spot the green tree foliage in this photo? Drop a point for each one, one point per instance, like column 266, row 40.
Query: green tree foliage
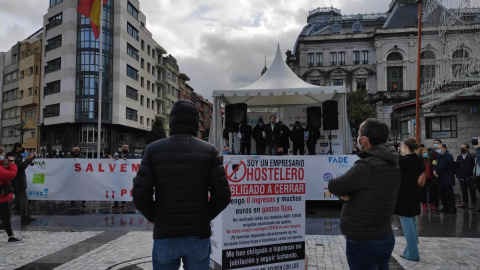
column 158, row 131
column 359, row 109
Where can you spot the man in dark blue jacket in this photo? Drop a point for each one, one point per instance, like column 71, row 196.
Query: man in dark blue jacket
column 465, row 165
column 186, row 177
column 445, row 173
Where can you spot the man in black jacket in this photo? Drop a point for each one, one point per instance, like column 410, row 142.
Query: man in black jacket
column 76, row 153
column 187, row 178
column 282, row 139
column 312, row 138
column 298, row 139
column 465, row 166
column 270, row 131
column 19, row 183
column 260, row 136
column 370, row 190
column 246, row 139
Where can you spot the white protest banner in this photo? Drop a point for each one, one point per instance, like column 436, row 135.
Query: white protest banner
column 81, row 179
column 264, row 226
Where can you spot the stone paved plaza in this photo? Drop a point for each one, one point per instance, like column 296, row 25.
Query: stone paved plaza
column 132, row 250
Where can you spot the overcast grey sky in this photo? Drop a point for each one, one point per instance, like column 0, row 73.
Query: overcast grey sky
column 219, row 44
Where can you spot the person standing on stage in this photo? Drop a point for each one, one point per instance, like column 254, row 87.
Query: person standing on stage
column 270, row 130
column 282, row 139
column 312, row 136
column 297, row 135
column 246, row 139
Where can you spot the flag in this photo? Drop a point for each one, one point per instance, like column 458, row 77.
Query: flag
column 92, row 9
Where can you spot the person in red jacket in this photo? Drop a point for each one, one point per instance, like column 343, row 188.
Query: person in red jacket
column 7, row 173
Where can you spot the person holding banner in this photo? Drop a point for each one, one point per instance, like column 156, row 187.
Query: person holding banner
column 298, row 139
column 369, row 190
column 19, row 183
column 282, row 139
column 187, row 178
column 7, row 173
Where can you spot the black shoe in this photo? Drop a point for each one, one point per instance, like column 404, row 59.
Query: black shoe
column 443, row 209
column 27, row 218
column 13, row 240
column 115, row 205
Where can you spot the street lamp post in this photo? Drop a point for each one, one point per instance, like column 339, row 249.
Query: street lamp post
column 22, row 129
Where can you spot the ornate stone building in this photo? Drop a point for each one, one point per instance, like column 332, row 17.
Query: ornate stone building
column 378, row 52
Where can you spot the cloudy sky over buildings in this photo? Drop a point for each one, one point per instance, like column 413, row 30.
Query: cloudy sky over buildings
column 218, row 44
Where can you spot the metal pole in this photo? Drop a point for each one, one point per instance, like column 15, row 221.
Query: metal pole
column 100, row 84
column 419, row 66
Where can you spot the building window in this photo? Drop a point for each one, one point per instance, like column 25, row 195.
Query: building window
column 10, row 95
column 341, row 58
column 141, row 120
column 364, row 57
column 148, row 122
column 319, row 59
column 131, row 114
column 132, row 51
column 55, row 2
column 148, row 85
column 53, row 65
column 30, row 71
column 395, row 78
column 148, row 103
column 361, row 84
column 406, row 129
column 22, row 74
column 53, row 43
column 143, row 45
column 427, row 73
column 148, row 49
column 132, row 31
column 88, row 61
column 427, row 55
column 333, row 59
column 132, row 10
column 142, row 63
column 394, row 56
column 142, row 82
column 441, row 127
column 153, row 70
column 52, row 88
column 30, row 91
column 52, row 110
column 141, row 100
column 132, row 73
column 21, row 94
column 337, row 82
column 132, row 93
column 54, row 21
column 148, row 67
column 356, row 57
column 311, row 60
column 31, row 114
column 462, row 53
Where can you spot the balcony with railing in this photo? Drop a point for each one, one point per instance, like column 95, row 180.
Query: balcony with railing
column 392, row 95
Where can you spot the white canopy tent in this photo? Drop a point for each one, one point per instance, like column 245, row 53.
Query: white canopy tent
column 278, row 88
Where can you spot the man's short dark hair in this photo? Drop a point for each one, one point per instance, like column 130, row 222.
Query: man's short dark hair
column 17, row 145
column 438, row 140
column 376, row 131
column 444, row 146
column 272, row 116
column 466, row 145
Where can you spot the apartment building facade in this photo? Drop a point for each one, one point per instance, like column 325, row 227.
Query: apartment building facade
column 131, row 83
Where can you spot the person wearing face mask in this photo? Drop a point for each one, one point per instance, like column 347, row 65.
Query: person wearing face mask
column 124, row 155
column 297, row 136
column 426, row 191
column 19, row 183
column 246, row 139
column 435, row 185
column 76, row 153
column 259, row 134
column 282, row 139
column 369, row 190
column 408, row 199
column 465, row 165
column 8, row 170
column 445, row 173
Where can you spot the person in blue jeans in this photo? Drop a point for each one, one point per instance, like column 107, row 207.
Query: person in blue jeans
column 187, row 178
column 369, row 191
column 408, row 200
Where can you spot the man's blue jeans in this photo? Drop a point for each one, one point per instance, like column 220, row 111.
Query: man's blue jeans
column 194, row 252
column 370, row 254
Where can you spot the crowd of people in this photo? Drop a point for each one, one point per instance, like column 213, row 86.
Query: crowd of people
column 274, row 138
column 398, row 180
